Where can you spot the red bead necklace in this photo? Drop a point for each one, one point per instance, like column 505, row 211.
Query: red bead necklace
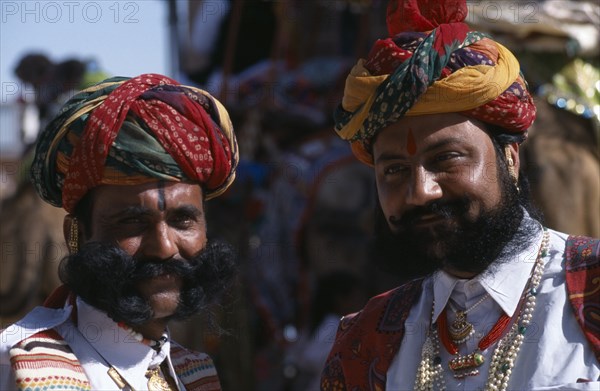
column 463, row 366
column 485, row 342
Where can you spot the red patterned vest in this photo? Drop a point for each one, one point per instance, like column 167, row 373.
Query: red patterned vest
column 367, row 342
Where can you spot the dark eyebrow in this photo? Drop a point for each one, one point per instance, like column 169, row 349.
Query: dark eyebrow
column 388, row 156
column 188, row 210
column 443, row 143
column 439, row 144
column 133, row 210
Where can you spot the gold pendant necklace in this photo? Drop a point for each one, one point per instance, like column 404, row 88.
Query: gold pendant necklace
column 460, row 330
column 156, row 382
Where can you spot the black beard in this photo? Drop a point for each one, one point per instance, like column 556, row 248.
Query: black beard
column 105, row 276
column 465, row 245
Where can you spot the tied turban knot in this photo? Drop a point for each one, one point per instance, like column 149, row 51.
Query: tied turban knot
column 433, row 64
column 130, row 131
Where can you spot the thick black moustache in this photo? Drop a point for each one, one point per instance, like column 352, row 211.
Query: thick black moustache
column 445, row 209
column 105, row 276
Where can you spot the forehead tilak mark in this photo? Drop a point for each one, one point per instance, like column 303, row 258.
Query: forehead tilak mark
column 162, row 204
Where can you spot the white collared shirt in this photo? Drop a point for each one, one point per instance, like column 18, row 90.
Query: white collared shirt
column 107, row 343
column 554, row 354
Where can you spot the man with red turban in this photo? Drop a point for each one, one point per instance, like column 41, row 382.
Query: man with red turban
column 132, row 161
column 494, row 299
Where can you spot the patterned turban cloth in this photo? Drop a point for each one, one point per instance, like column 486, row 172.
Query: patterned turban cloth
column 126, row 131
column 431, row 64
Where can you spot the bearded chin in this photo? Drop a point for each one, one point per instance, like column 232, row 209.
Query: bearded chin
column 460, row 243
column 105, row 277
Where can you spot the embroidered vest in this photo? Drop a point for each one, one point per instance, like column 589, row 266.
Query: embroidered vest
column 367, row 342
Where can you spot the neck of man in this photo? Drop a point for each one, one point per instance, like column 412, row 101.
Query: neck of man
column 459, row 274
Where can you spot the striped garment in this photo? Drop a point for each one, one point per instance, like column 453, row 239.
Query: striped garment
column 195, row 370
column 44, row 361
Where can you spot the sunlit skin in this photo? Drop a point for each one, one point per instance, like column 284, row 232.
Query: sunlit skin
column 156, row 220
column 452, row 157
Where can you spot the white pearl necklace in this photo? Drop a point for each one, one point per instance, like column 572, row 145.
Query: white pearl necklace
column 430, row 374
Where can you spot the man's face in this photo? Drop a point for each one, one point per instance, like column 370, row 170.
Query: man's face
column 436, row 176
column 156, row 221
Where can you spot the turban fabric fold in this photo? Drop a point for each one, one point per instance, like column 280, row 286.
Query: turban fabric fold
column 129, row 131
column 448, row 69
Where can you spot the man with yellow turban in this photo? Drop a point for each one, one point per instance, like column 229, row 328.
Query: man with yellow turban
column 132, row 160
column 495, row 300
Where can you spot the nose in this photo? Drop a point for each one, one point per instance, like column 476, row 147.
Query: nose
column 423, row 188
column 160, row 242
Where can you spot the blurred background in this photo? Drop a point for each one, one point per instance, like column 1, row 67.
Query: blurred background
column 300, row 212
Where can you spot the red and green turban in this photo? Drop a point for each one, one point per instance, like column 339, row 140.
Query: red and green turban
column 432, row 64
column 126, row 131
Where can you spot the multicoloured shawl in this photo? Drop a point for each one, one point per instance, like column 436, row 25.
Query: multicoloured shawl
column 446, row 70
column 130, row 131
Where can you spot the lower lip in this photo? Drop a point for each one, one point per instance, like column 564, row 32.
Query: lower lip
column 164, row 278
column 429, row 220
column 160, row 283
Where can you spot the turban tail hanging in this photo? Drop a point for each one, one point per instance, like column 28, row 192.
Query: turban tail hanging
column 447, row 69
column 131, row 131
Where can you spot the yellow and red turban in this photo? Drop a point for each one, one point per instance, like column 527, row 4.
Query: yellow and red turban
column 129, row 131
column 431, row 64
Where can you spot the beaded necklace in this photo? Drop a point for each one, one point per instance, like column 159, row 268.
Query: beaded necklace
column 155, row 344
column 430, row 373
column 463, row 366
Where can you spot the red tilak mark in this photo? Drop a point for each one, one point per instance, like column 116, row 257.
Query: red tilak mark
column 411, row 145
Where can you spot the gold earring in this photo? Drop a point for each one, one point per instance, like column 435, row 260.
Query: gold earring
column 73, row 242
column 511, row 167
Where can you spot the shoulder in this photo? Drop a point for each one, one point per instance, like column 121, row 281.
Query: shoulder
column 582, row 276
column 571, row 252
column 582, row 252
column 403, row 294
column 384, row 313
column 367, row 341
column 195, row 369
column 39, row 320
column 55, row 362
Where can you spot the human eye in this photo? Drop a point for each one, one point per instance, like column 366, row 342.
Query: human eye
column 185, row 218
column 447, row 156
column 451, row 162
column 131, row 219
column 183, row 221
column 129, row 224
column 395, row 169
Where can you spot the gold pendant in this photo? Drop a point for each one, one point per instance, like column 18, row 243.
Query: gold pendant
column 156, row 382
column 460, row 330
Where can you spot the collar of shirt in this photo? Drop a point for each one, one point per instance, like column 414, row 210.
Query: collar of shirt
column 504, row 284
column 117, row 347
